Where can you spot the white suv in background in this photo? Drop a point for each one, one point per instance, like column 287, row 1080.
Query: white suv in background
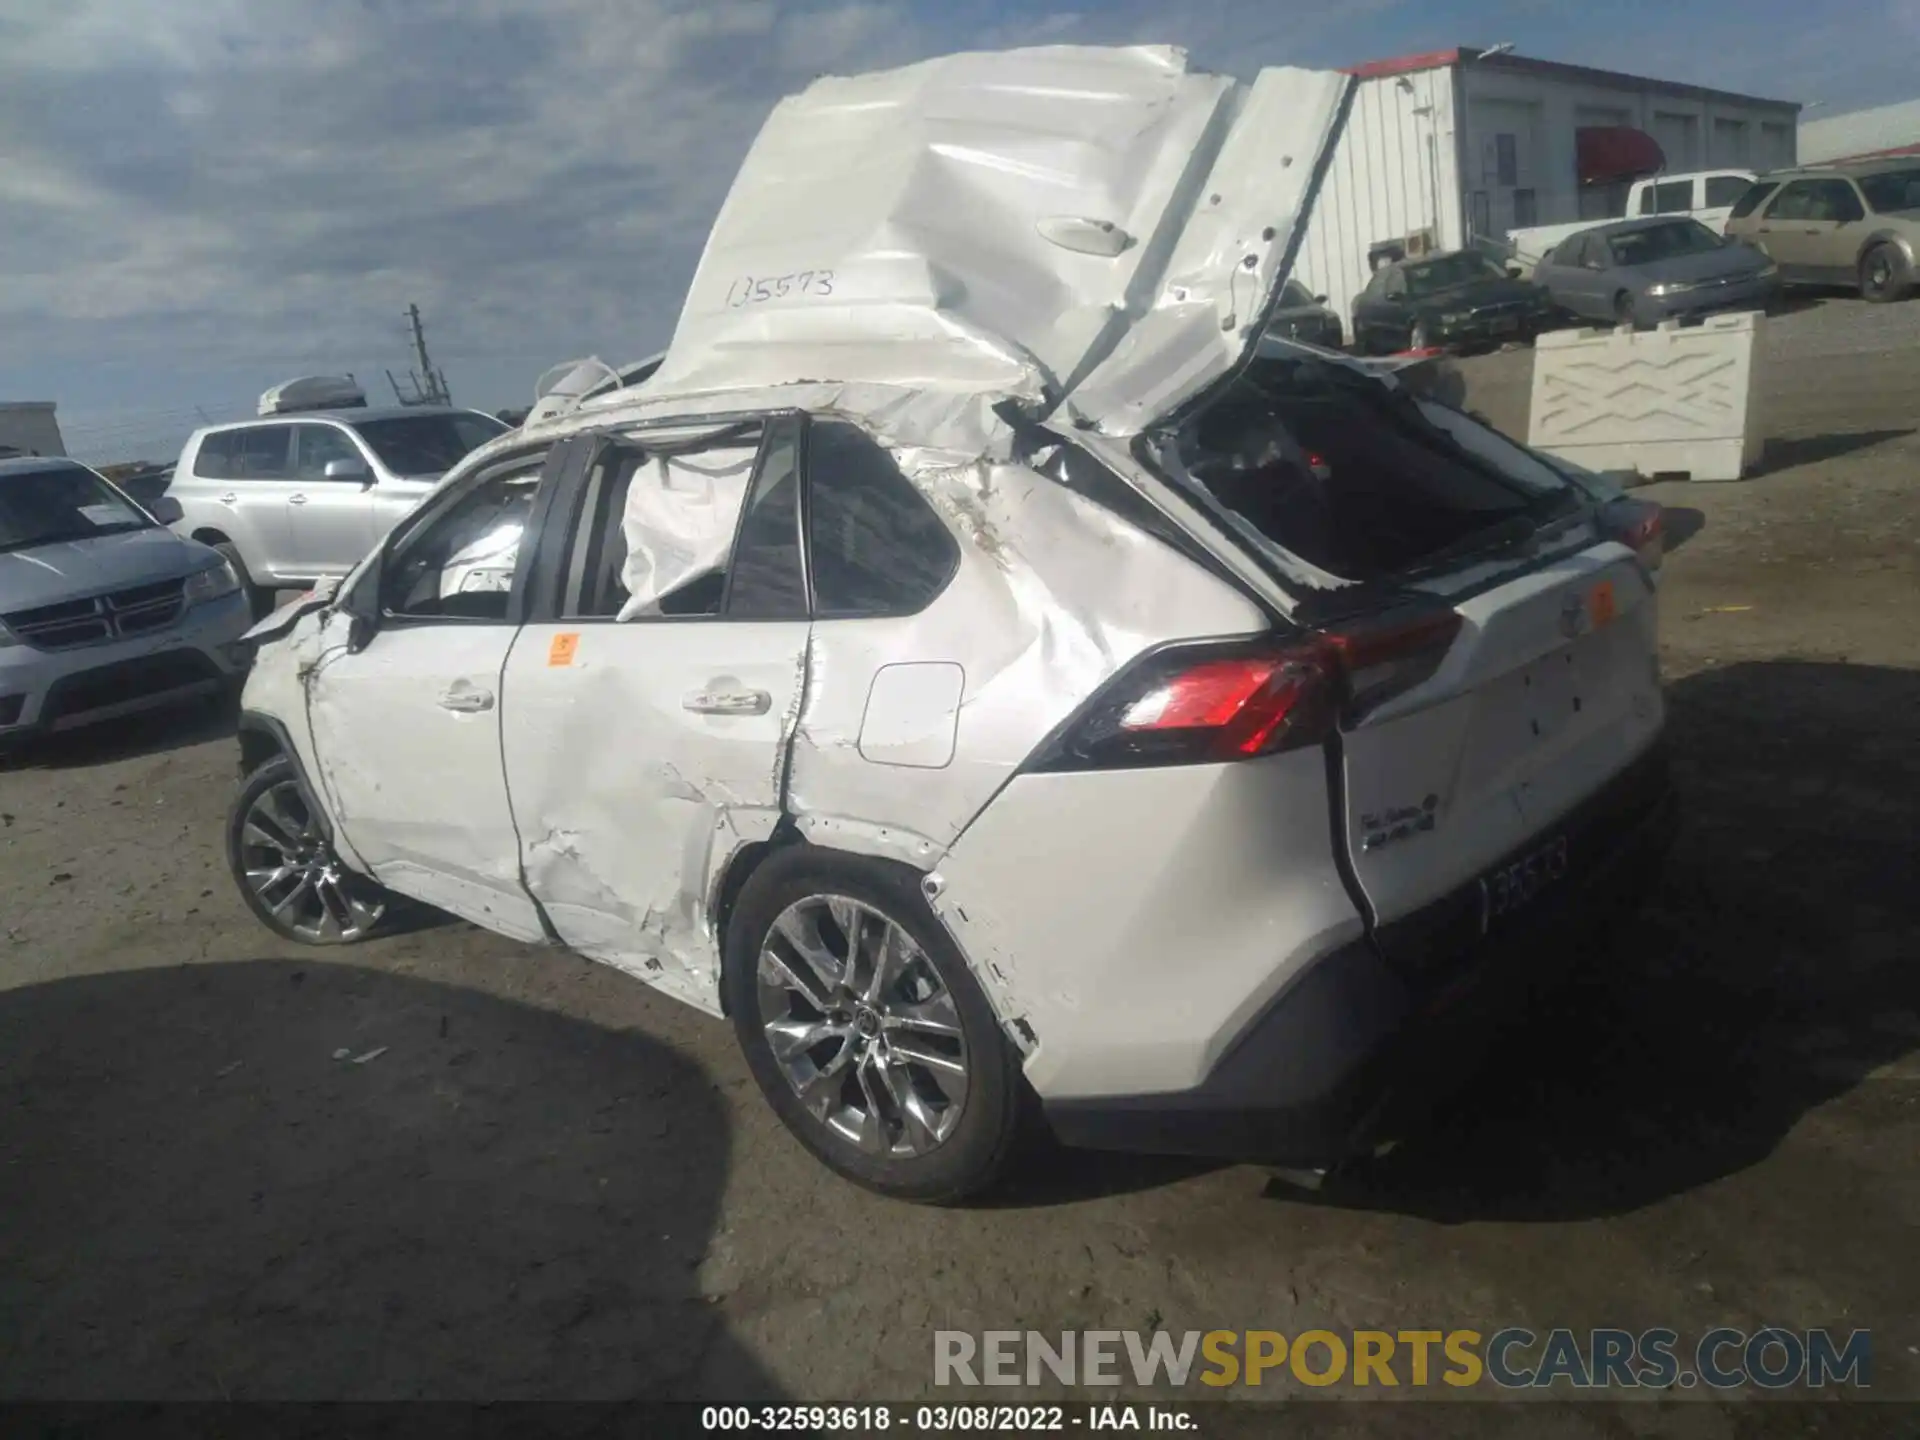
column 291, row 499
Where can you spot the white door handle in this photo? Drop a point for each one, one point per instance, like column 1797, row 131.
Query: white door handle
column 296, row 499
column 467, row 702
column 729, row 702
column 228, row 498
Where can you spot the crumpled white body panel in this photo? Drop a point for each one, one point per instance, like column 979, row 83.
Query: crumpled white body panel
column 1100, row 224
column 679, row 521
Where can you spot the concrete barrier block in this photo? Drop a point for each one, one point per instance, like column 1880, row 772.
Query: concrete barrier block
column 1675, row 400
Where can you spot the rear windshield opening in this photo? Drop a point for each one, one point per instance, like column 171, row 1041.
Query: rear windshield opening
column 1361, row 479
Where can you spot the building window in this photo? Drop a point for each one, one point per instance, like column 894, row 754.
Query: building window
column 1525, row 211
column 1729, row 142
column 1506, row 160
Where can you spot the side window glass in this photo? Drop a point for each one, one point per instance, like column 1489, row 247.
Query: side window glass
column 1845, row 204
column 261, row 453
column 877, row 547
column 215, row 458
column 461, row 563
column 316, row 446
column 1599, row 253
column 1751, row 197
column 1669, row 198
column 1795, row 203
column 766, row 581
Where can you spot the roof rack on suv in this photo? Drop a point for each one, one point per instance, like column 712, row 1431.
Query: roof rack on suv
column 313, row 392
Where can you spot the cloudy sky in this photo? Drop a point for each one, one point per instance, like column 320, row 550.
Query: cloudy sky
column 199, row 198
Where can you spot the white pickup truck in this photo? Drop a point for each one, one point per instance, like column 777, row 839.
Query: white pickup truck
column 1706, row 195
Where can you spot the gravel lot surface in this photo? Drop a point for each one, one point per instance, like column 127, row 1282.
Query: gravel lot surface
column 544, row 1182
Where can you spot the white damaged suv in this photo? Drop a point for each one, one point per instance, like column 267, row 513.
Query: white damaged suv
column 983, row 670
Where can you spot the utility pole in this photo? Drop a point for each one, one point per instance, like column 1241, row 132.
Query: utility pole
column 429, row 384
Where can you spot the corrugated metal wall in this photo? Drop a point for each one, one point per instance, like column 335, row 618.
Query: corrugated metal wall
column 1395, row 169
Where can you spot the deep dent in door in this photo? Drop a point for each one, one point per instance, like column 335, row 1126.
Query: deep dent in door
column 1052, row 596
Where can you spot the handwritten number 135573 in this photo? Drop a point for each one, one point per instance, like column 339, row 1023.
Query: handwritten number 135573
column 750, row 291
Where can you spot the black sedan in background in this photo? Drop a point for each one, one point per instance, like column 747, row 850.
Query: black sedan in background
column 1305, row 318
column 1452, row 301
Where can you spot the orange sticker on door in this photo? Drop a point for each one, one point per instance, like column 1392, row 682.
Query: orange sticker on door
column 1600, row 604
column 560, row 652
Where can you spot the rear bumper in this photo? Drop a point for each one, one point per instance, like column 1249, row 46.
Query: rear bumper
column 1366, row 1041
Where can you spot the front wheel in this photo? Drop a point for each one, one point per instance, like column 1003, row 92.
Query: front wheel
column 286, row 868
column 1884, row 275
column 865, row 1029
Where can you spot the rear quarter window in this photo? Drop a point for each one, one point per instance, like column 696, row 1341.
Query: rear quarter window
column 214, row 459
column 1752, row 197
column 877, row 547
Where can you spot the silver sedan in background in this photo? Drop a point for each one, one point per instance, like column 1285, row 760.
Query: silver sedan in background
column 1640, row 272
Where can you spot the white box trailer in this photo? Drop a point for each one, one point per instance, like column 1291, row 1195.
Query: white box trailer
column 28, row 427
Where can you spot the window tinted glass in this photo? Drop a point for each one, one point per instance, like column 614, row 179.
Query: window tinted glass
column 427, row 444
column 877, row 547
column 215, row 456
column 461, row 563
column 1432, row 276
column 765, row 581
column 1834, row 200
column 1795, row 202
column 315, row 446
column 1662, row 242
column 62, row 502
column 1895, row 190
column 1724, row 190
column 1751, row 197
column 1667, row 197
column 256, row 453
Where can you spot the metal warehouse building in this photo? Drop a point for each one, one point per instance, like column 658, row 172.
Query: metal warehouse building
column 1443, row 148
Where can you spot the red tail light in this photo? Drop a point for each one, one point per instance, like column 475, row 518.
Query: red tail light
column 1196, row 705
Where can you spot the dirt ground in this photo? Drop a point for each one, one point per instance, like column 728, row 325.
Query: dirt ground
column 536, row 1180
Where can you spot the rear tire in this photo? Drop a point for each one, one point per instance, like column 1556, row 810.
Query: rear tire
column 259, row 600
column 1884, row 275
column 866, row 1030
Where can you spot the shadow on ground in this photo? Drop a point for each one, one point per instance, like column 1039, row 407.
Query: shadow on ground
column 490, row 1202
column 151, row 732
column 1785, row 454
column 1679, row 524
column 1771, row 971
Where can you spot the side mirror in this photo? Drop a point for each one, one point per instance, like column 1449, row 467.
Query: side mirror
column 166, row 510
column 361, row 604
column 1319, row 299
column 355, row 470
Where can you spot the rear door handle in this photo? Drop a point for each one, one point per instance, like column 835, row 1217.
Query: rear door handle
column 467, row 702
column 296, row 499
column 228, row 498
column 728, row 702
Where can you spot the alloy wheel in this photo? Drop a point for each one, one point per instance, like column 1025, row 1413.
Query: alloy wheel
column 862, row 1027
column 293, row 872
